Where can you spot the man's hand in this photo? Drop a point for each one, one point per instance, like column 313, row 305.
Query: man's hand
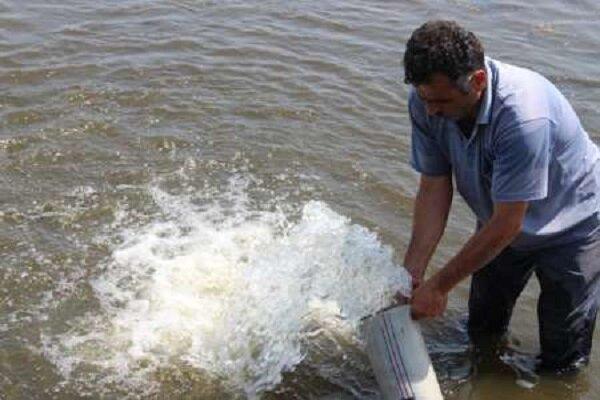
column 417, row 276
column 428, row 301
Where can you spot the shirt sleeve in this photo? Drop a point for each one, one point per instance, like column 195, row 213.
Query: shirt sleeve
column 521, row 162
column 427, row 157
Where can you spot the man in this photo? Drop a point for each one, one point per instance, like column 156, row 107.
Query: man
column 529, row 172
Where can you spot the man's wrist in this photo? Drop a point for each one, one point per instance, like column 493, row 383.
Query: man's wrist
column 440, row 283
column 415, row 270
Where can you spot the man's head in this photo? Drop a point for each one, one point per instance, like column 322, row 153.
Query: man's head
column 446, row 65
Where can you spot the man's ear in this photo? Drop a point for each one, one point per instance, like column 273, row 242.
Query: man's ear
column 479, row 79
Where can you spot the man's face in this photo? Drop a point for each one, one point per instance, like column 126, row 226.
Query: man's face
column 444, row 99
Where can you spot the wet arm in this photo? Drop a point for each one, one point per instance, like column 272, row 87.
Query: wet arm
column 429, row 221
column 485, row 245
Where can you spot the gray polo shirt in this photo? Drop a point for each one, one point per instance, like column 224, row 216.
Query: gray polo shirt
column 527, row 145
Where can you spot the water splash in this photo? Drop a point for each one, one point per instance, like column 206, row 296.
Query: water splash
column 227, row 290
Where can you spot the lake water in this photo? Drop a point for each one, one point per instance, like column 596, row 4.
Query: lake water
column 201, row 199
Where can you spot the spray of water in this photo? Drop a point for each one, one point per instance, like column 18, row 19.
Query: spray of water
column 227, row 290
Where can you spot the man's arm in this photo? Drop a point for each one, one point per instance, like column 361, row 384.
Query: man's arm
column 429, row 221
column 429, row 300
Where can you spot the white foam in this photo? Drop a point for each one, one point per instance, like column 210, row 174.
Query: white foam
column 227, row 290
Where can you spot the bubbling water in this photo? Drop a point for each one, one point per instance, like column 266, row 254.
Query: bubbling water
column 226, row 290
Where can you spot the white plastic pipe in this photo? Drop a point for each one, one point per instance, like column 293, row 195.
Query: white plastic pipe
column 399, row 357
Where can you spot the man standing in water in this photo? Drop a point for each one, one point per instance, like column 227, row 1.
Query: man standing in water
column 527, row 169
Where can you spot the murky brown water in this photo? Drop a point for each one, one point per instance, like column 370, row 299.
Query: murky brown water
column 125, row 121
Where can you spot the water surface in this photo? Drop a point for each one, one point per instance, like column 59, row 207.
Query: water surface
column 201, row 199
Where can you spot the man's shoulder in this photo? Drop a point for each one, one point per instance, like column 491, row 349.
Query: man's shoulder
column 521, row 94
column 511, row 74
column 414, row 102
column 416, row 108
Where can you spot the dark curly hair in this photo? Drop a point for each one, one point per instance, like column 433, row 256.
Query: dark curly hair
column 441, row 47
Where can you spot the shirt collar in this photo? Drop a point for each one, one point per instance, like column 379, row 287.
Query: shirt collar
column 484, row 115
